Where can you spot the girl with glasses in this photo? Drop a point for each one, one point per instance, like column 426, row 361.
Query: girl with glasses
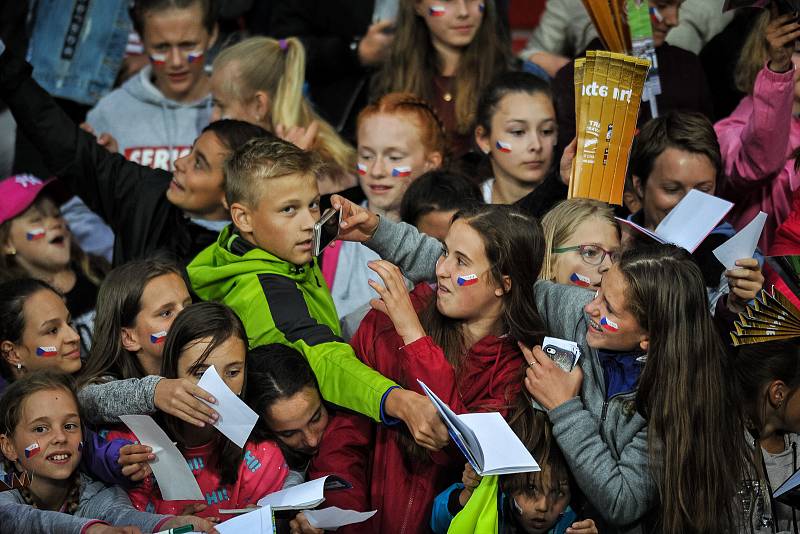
column 581, row 240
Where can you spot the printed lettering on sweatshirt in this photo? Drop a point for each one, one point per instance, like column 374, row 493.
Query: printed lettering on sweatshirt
column 157, row 157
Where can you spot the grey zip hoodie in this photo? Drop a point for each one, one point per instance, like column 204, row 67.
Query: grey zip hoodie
column 150, row 128
column 97, row 502
column 604, row 442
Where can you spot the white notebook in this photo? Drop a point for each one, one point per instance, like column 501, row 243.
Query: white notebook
column 489, row 444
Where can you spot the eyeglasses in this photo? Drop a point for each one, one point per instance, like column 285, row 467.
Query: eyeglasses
column 591, row 254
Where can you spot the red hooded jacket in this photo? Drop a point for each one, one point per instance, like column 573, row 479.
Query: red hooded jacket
column 368, row 454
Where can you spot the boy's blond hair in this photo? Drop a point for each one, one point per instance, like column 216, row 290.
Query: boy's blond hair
column 263, row 158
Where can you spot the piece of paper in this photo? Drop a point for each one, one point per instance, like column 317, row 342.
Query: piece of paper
column 743, row 244
column 334, row 517
column 690, row 222
column 236, row 419
column 489, row 444
column 175, row 479
column 306, row 495
column 259, row 521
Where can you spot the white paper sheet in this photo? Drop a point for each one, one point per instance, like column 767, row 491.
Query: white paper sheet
column 236, row 419
column 334, row 517
column 690, row 222
column 306, row 495
column 743, row 244
column 641, row 229
column 259, row 521
column 175, row 479
column 488, row 443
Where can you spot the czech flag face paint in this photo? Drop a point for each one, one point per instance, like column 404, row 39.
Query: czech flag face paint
column 655, row 16
column 608, row 324
column 580, row 280
column 32, row 450
column 197, row 55
column 35, row 233
column 503, row 147
column 401, row 172
column 467, row 280
column 46, row 352
column 158, row 60
column 158, row 337
column 436, row 11
column 362, row 169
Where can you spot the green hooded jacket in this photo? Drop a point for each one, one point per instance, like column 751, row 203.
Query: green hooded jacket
column 280, row 302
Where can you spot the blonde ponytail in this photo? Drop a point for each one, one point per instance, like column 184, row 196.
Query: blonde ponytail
column 278, row 68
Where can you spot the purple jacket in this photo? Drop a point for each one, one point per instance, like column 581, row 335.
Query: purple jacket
column 100, row 458
column 757, row 141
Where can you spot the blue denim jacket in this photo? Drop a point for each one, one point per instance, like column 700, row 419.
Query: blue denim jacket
column 77, row 51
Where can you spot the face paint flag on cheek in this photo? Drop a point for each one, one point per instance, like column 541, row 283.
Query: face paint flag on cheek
column 503, row 147
column 34, row 234
column 158, row 337
column 655, row 16
column 608, row 324
column 158, row 60
column 580, row 280
column 32, row 450
column 46, row 352
column 436, row 11
column 467, row 280
column 197, row 55
column 401, row 172
column 362, row 169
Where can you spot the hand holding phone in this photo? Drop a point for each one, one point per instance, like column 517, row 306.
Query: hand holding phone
column 564, row 353
column 326, row 230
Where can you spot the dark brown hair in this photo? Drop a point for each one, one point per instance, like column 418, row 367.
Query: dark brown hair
column 413, row 62
column 685, row 392
column 690, row 132
column 142, row 7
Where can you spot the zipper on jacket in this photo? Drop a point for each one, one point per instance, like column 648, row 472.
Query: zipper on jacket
column 605, row 411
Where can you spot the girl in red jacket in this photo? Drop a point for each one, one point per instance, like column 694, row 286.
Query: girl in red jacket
column 460, row 339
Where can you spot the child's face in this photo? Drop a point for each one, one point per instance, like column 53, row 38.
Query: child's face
column 436, row 223
column 47, row 439
column 283, row 221
column 196, row 185
column 163, row 298
column 464, row 255
column 230, row 106
column 48, row 341
column 539, row 510
column 622, row 331
column 40, row 238
column 593, row 231
column 666, row 20
column 452, row 23
column 675, row 173
column 390, row 156
column 522, row 138
column 176, row 42
column 227, row 358
column 299, row 421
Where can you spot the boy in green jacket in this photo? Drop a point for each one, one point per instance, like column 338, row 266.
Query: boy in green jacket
column 262, row 267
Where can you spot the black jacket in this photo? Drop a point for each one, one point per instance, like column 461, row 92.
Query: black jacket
column 128, row 196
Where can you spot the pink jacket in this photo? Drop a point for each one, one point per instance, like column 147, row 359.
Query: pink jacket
column 757, row 141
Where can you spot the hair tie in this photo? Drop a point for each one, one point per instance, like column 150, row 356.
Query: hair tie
column 283, row 45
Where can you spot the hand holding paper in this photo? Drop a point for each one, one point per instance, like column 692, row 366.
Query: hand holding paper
column 175, row 480
column 236, row 419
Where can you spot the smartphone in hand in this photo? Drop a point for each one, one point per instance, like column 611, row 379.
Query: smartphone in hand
column 326, row 230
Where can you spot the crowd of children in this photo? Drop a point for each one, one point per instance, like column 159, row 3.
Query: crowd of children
column 457, row 253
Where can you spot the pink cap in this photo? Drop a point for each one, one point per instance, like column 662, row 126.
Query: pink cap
column 18, row 193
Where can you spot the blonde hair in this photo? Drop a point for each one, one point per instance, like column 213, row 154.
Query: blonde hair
column 261, row 159
column 278, row 68
column 753, row 56
column 562, row 221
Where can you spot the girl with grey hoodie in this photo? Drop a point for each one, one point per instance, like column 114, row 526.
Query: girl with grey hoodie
column 651, row 358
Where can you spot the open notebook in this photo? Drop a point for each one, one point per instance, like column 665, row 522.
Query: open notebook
column 489, row 444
